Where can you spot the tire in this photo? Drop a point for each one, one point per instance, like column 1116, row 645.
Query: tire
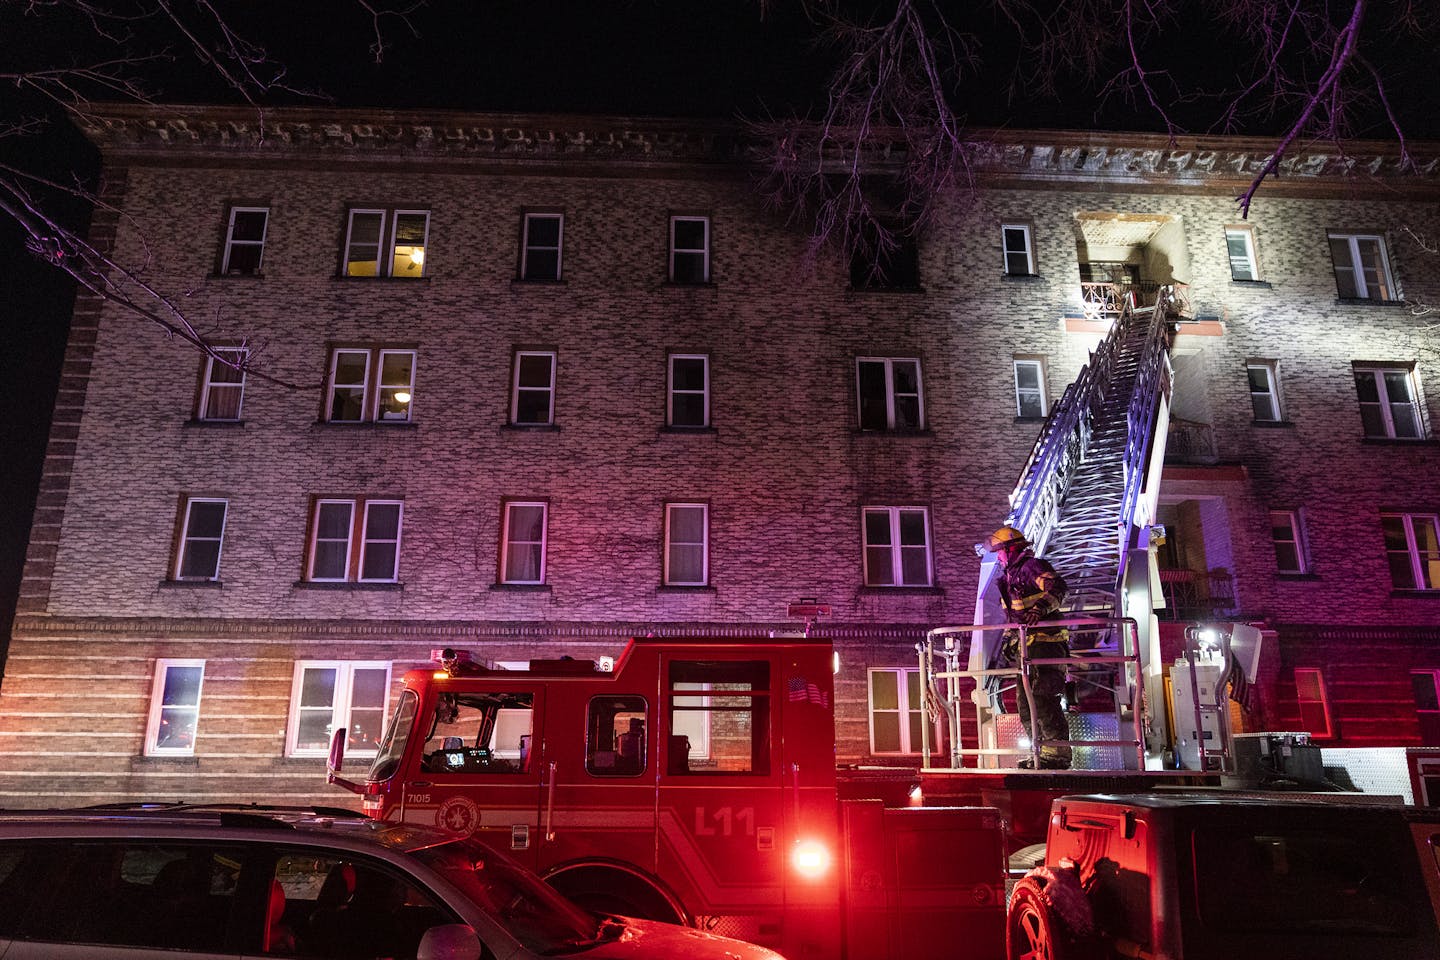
column 1033, row 931
column 612, row 892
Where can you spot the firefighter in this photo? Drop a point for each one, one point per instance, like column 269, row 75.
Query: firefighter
column 1032, row 592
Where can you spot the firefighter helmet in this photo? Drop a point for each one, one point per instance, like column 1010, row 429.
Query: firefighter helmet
column 1005, row 537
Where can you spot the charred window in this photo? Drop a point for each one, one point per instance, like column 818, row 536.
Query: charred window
column 719, row 717
column 616, row 737
column 480, row 733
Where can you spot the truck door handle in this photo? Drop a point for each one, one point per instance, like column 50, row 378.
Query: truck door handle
column 550, row 805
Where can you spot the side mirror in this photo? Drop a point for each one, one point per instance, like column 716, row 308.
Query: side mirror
column 337, row 760
column 451, row 941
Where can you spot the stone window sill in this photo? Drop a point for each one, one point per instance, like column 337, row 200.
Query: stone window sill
column 400, row 426
column 926, row 434
column 192, row 584
column 1407, row 594
column 530, row 427
column 1252, row 284
column 903, row 591
column 685, row 588
column 194, row 424
column 693, row 431
column 1273, row 424
column 349, row 586
column 522, row 587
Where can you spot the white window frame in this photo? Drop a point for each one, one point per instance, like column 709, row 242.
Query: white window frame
column 371, row 387
column 703, row 250
column 889, row 364
column 1362, row 288
column 332, row 386
column 901, row 678
column 381, row 386
column 314, row 543
column 896, row 551
column 1418, row 572
column 515, row 388
column 1272, row 381
column 1324, row 701
column 1291, row 518
column 1006, row 251
column 526, row 246
column 340, row 709
column 1039, row 366
column 208, row 385
column 231, row 243
column 703, row 544
column 366, row 540
column 704, row 391
column 423, row 263
column 1249, row 261
column 157, row 705
column 186, row 539
column 385, row 241
column 505, row 540
column 1387, row 416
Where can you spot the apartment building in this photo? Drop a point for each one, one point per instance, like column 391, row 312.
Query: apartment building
column 529, row 386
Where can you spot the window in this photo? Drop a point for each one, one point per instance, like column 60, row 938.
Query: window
column 897, row 547
column 540, row 246
column 244, row 241
column 896, row 710
column 386, row 243
column 1016, row 246
column 1240, row 245
column 222, row 387
column 371, row 384
column 689, row 249
column 886, row 266
column 522, row 543
column 687, row 547
column 615, row 737
column 1362, row 267
column 1388, row 407
column 1412, row 546
column 719, row 717
column 1030, row 400
column 339, row 552
column 532, row 402
column 689, row 390
column 1425, row 685
column 1314, row 705
column 1287, row 535
column 326, row 696
column 889, row 394
column 201, row 533
column 482, row 732
column 1264, row 379
column 174, row 708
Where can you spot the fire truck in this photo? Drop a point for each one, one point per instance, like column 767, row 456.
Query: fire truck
column 691, row 781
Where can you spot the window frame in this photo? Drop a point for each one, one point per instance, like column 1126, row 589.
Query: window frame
column 372, row 384
column 890, row 395
column 385, row 242
column 356, row 540
column 704, row 251
column 903, row 709
column 343, row 702
column 366, row 540
column 208, row 385
column 1271, row 369
column 1039, row 364
column 1323, row 700
column 1357, row 273
column 506, row 541
column 163, row 665
column 1252, row 262
column 1377, row 372
column 185, row 539
column 1028, row 232
column 1428, row 719
column 671, row 391
column 1298, row 539
column 1413, row 552
column 231, row 243
column 526, row 246
column 895, row 547
column 515, row 388
column 666, row 563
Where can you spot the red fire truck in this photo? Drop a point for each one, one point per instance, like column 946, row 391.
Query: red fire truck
column 692, row 781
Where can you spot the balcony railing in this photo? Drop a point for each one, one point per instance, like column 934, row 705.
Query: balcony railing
column 1102, row 301
column 1194, row 595
column 1188, row 441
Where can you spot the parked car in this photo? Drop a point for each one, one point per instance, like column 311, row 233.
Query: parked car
column 190, row 882
column 1231, row 877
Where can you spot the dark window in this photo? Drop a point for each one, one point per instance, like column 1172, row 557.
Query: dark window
column 616, row 737
column 892, row 266
column 540, row 252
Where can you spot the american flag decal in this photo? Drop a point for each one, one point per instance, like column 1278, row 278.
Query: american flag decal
column 801, row 690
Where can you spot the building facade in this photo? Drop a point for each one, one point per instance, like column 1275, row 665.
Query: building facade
column 529, row 386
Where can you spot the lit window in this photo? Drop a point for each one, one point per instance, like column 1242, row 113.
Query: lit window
column 889, row 394
column 340, row 552
column 689, row 249
column 201, row 535
column 720, row 716
column 1388, row 407
column 1412, row 546
column 386, row 243
column 532, row 402
column 1286, row 534
column 223, row 386
column 896, row 710
column 1030, row 400
column 1019, row 254
column 487, row 732
column 1264, row 383
column 1314, row 704
column 687, row 553
column 540, row 246
column 356, row 395
column 1240, row 245
column 1362, row 267
column 326, row 696
column 244, row 241
column 689, row 390
column 522, row 543
column 897, row 547
column 174, row 708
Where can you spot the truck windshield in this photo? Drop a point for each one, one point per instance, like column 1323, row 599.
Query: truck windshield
column 525, row 906
column 397, row 734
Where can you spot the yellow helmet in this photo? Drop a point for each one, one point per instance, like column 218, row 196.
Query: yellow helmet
column 1005, row 536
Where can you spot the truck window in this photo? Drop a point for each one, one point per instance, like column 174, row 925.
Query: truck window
column 392, row 744
column 719, row 714
column 615, row 737
column 480, row 733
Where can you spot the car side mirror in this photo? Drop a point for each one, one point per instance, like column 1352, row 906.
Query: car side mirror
column 451, row 941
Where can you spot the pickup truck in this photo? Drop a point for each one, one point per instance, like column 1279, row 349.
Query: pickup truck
column 1214, row 876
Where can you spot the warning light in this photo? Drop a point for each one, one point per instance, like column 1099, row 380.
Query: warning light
column 811, row 859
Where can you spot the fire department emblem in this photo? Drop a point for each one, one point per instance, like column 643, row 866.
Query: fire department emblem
column 459, row 816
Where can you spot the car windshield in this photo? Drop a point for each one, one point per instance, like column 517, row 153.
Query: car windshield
column 397, row 734
column 530, row 910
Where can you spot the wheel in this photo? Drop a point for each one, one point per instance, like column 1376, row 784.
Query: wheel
column 1033, row 930
column 607, row 891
